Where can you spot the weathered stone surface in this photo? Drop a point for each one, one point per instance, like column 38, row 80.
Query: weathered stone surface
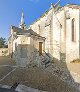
column 23, row 88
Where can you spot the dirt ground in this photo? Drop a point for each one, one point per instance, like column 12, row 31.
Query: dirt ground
column 75, row 67
column 6, row 61
column 34, row 77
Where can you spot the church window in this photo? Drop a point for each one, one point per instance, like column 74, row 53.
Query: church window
column 67, row 14
column 39, row 27
column 47, row 23
column 73, row 29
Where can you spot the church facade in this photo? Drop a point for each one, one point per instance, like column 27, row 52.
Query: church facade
column 56, row 32
column 61, row 28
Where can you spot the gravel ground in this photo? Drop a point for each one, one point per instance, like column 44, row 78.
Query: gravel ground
column 4, row 71
column 37, row 78
column 5, row 60
column 55, row 78
column 61, row 70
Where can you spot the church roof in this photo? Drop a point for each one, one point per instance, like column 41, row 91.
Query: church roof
column 20, row 31
column 73, row 6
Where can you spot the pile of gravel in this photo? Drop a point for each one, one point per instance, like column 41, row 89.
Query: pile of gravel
column 64, row 75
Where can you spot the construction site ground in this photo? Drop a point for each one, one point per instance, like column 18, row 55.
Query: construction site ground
column 36, row 77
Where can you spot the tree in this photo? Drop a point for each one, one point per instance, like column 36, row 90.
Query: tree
column 2, row 42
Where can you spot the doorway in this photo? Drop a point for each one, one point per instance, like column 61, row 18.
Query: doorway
column 40, row 48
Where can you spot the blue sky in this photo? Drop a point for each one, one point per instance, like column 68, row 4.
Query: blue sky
column 10, row 12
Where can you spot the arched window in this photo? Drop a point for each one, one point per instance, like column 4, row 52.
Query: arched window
column 39, row 27
column 73, row 29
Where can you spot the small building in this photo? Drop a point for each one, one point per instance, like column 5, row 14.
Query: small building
column 27, row 46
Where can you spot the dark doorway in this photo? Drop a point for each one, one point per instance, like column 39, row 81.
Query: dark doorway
column 40, row 48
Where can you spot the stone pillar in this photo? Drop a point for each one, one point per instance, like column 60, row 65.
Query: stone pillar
column 51, row 32
column 63, row 44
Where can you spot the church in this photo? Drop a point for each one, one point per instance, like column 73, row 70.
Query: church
column 54, row 35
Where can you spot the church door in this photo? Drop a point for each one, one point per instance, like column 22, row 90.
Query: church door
column 40, row 48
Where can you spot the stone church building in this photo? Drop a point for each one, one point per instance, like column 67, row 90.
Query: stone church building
column 56, row 33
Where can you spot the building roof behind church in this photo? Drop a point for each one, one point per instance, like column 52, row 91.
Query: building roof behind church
column 20, row 31
column 73, row 6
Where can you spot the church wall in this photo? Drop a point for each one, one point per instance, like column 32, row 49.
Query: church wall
column 72, row 48
column 21, row 40
column 63, row 47
column 35, row 43
column 43, row 28
column 58, row 34
column 10, row 40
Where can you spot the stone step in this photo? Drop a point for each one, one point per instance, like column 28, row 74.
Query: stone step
column 19, row 88
column 23, row 88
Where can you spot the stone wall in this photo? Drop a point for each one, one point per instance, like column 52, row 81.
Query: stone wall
column 24, row 55
column 26, row 50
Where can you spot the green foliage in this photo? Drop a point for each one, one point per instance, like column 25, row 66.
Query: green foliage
column 2, row 42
